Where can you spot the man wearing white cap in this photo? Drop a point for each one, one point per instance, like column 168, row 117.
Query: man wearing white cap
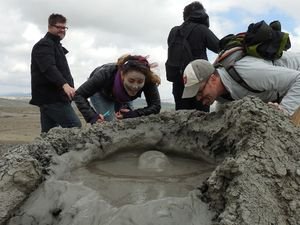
column 277, row 82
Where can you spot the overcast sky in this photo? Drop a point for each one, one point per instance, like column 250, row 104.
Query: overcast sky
column 102, row 30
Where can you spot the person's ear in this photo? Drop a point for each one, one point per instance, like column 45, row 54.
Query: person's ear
column 213, row 78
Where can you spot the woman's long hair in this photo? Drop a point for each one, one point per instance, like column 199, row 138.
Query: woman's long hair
column 138, row 63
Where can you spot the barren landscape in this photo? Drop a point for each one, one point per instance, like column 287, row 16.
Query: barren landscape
column 19, row 122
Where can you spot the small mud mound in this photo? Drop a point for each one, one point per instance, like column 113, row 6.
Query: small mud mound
column 259, row 180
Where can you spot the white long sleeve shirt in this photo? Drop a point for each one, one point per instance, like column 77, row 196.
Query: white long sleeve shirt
column 278, row 80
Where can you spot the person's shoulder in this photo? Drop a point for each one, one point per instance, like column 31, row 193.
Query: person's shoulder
column 41, row 44
column 150, row 86
column 108, row 70
column 108, row 67
column 45, row 42
column 175, row 27
column 252, row 60
column 174, row 30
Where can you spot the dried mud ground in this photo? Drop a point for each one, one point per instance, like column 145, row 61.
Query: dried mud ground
column 19, row 124
column 20, row 121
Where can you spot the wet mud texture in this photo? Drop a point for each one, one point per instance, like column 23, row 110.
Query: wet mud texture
column 256, row 148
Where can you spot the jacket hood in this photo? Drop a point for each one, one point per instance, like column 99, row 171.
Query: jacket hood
column 199, row 16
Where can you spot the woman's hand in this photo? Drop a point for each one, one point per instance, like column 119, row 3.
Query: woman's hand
column 100, row 119
column 119, row 114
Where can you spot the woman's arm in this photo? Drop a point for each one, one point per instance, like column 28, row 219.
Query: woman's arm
column 86, row 90
column 153, row 103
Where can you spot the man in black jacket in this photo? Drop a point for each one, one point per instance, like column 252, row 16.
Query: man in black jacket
column 52, row 85
column 199, row 39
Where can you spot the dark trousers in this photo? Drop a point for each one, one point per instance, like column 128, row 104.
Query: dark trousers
column 186, row 103
column 58, row 114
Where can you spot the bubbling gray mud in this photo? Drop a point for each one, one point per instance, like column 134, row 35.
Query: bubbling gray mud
column 256, row 181
column 134, row 178
column 133, row 188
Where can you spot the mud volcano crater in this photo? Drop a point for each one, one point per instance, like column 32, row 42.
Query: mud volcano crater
column 240, row 165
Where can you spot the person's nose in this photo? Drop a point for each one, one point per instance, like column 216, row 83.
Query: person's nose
column 199, row 97
column 205, row 102
column 135, row 87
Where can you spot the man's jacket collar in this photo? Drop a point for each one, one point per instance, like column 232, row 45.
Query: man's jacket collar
column 53, row 37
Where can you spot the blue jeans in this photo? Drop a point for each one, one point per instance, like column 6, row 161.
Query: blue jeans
column 58, row 114
column 103, row 105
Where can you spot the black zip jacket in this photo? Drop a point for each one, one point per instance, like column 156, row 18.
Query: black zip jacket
column 200, row 39
column 49, row 71
column 102, row 80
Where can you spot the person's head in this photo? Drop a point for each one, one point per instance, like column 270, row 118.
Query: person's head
column 135, row 71
column 195, row 12
column 190, row 8
column 57, row 25
column 202, row 80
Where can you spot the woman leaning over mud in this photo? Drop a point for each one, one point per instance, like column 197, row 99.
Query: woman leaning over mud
column 112, row 87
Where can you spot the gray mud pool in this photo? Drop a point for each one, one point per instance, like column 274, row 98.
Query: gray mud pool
column 126, row 188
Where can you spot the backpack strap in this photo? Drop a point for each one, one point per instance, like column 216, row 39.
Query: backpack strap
column 185, row 37
column 237, row 78
column 227, row 59
column 186, row 44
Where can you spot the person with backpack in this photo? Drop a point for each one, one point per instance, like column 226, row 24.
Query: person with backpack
column 276, row 82
column 187, row 42
column 113, row 86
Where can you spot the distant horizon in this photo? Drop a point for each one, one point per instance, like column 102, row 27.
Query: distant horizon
column 15, row 95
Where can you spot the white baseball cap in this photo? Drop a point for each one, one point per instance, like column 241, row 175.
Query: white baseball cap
column 195, row 72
